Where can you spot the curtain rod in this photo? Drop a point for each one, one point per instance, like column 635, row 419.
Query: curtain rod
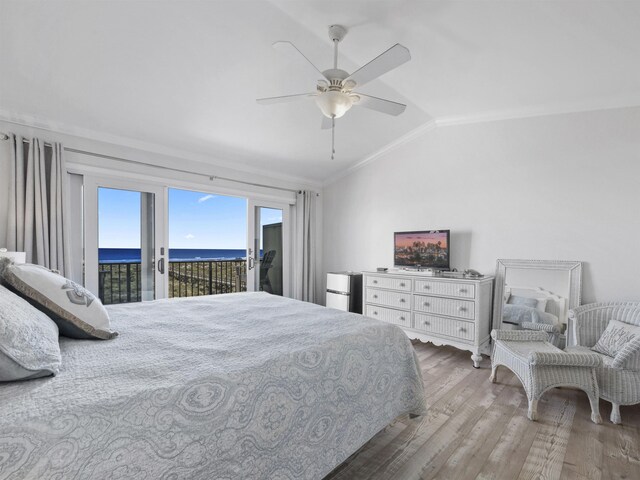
column 4, row 136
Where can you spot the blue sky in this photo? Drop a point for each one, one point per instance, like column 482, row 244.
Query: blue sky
column 196, row 219
column 201, row 220
column 118, row 218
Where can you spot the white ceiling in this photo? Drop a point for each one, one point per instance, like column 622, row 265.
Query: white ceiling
column 185, row 74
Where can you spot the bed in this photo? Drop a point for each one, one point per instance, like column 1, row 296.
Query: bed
column 552, row 311
column 245, row 385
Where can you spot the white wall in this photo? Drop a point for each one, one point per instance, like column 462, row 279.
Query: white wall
column 563, row 187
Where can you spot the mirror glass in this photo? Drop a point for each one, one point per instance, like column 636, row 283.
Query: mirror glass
column 535, row 291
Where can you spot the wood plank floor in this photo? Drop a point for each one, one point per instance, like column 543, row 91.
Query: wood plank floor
column 478, row 430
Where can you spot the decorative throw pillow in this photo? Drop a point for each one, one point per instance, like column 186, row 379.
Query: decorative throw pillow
column 615, row 337
column 523, row 301
column 28, row 340
column 76, row 311
column 542, row 304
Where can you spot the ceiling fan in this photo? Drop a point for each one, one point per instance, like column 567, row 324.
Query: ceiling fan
column 335, row 93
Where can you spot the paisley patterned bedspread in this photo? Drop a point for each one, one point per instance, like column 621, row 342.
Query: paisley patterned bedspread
column 238, row 386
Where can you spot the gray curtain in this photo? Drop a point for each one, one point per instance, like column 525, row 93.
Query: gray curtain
column 305, row 266
column 37, row 214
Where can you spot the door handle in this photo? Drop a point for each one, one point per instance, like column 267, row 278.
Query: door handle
column 161, row 265
column 251, row 263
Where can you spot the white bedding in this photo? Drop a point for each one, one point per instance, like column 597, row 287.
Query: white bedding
column 230, row 386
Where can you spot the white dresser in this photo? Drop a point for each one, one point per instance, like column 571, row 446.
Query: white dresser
column 444, row 311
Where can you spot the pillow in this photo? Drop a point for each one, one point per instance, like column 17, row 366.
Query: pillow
column 28, row 340
column 518, row 314
column 523, row 301
column 615, row 337
column 542, row 304
column 76, row 311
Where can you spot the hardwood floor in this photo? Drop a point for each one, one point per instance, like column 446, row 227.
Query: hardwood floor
column 478, row 430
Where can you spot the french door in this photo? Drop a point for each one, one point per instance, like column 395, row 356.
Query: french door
column 128, row 227
column 268, row 247
column 125, row 240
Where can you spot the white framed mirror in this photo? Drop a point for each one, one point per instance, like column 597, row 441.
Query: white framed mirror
column 546, row 288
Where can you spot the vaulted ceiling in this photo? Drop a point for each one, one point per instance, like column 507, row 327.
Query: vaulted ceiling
column 185, row 74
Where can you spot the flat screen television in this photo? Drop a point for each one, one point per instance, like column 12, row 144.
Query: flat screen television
column 422, row 249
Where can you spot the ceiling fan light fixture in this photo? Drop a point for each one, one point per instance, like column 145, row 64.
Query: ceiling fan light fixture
column 334, row 104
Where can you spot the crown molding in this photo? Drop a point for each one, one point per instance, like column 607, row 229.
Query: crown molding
column 206, row 161
column 406, row 138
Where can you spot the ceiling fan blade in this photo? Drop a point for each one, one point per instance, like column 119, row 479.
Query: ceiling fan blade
column 380, row 104
column 326, row 123
column 291, row 50
column 392, row 58
column 284, row 98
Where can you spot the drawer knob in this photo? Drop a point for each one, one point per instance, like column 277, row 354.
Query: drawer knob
column 426, row 304
column 402, row 284
column 426, row 287
column 462, row 290
column 462, row 329
column 402, row 300
column 426, row 322
column 462, row 309
column 375, row 312
column 375, row 281
column 375, row 296
column 402, row 319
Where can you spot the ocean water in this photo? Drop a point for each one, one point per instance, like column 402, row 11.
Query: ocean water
column 124, row 255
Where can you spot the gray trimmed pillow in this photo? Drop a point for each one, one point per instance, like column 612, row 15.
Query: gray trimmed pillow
column 522, row 301
column 615, row 337
column 28, row 340
column 76, row 311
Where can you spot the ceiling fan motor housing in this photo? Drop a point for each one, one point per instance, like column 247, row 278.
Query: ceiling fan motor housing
column 335, row 77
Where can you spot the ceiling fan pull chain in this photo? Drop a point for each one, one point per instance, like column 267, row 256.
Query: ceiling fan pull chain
column 333, row 137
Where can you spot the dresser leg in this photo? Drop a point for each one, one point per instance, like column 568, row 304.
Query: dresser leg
column 476, row 358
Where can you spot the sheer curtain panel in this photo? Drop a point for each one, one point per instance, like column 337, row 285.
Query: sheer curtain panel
column 37, row 220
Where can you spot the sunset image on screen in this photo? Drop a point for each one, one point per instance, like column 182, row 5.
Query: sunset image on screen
column 422, row 249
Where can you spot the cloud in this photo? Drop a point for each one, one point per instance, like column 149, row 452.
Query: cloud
column 189, row 236
column 205, row 198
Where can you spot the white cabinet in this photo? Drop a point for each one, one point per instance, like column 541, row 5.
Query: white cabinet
column 444, row 311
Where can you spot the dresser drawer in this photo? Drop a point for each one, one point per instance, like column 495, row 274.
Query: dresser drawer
column 445, row 306
column 448, row 289
column 389, row 315
column 389, row 298
column 389, row 282
column 444, row 326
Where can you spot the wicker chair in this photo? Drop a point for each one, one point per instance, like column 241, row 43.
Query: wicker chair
column 619, row 377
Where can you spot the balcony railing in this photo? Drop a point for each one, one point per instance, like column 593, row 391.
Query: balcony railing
column 121, row 282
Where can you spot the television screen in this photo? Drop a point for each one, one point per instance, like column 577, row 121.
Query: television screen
column 428, row 249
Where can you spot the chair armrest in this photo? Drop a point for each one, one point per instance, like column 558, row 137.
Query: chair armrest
column 624, row 357
column 519, row 335
column 588, row 322
column 565, row 359
column 545, row 327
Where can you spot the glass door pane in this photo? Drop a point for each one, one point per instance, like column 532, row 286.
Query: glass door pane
column 207, row 243
column 268, row 259
column 126, row 245
column 269, row 262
